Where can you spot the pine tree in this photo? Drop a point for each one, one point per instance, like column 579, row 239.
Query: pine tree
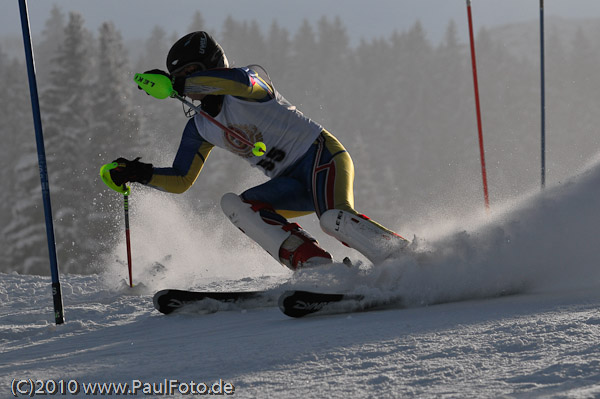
column 154, row 51
column 331, row 57
column 67, row 114
column 197, row 23
column 23, row 241
column 301, row 85
column 243, row 42
column 278, row 53
column 584, row 86
column 155, row 115
column 115, row 126
column 53, row 34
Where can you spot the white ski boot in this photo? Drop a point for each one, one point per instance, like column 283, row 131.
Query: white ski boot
column 287, row 242
column 358, row 232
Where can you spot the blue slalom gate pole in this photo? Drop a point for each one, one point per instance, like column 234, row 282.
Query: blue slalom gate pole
column 543, row 97
column 39, row 138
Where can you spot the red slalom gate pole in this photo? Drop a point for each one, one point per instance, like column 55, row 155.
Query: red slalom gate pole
column 478, row 108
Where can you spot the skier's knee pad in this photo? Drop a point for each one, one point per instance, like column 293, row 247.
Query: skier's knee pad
column 249, row 220
column 358, row 232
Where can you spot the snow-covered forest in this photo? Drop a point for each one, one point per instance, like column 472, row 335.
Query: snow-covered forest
column 402, row 105
column 485, row 304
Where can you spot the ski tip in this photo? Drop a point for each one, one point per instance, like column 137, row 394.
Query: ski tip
column 289, row 307
column 158, row 305
column 169, row 300
column 302, row 303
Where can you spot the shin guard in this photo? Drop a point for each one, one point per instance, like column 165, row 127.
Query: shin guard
column 358, row 232
column 270, row 236
column 287, row 242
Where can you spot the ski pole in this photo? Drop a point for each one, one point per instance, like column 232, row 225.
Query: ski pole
column 160, row 86
column 128, row 237
column 125, row 190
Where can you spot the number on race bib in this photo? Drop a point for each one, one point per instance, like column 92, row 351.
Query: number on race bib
column 273, row 156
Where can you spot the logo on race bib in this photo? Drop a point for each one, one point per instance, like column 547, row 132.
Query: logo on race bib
column 250, row 132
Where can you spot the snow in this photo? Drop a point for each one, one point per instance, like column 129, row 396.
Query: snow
column 520, row 316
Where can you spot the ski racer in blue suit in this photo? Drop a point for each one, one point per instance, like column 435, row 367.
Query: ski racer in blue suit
column 309, row 169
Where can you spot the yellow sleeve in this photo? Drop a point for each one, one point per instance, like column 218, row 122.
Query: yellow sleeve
column 178, row 181
column 238, row 82
column 191, row 155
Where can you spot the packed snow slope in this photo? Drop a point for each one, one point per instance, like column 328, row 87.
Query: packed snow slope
column 456, row 333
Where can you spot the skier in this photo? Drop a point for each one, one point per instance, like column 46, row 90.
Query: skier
column 310, row 170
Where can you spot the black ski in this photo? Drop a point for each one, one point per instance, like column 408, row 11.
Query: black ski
column 169, row 300
column 301, row 303
column 296, row 303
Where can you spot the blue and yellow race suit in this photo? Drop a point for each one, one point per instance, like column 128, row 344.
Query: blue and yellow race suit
column 310, row 170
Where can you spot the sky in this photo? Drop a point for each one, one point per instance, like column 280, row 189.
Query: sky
column 136, row 18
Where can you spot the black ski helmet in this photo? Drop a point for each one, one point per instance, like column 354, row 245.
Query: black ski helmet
column 198, row 48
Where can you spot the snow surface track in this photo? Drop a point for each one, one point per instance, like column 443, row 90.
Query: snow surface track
column 543, row 345
column 543, row 342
